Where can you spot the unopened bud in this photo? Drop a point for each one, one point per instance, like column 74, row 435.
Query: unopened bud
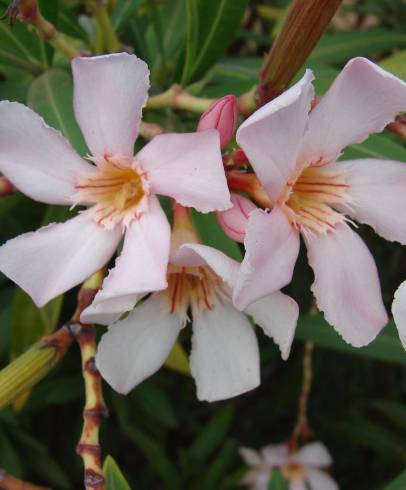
column 221, row 115
column 234, row 221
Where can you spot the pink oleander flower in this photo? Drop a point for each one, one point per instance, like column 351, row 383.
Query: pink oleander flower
column 399, row 312
column 221, row 115
column 224, row 359
column 119, row 190
column 294, row 153
column 302, row 468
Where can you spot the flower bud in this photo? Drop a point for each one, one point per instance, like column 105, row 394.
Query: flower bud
column 221, row 115
column 234, row 221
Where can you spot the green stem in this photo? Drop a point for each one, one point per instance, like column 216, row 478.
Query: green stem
column 101, row 15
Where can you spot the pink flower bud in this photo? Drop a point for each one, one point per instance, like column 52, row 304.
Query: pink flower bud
column 234, row 221
column 221, row 115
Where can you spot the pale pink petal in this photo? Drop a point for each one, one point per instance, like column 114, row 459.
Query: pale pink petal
column 225, row 357
column 195, row 254
column 277, row 314
column 319, row 480
column 250, row 456
column 313, row 454
column 109, row 94
column 37, row 159
column 48, row 262
column 221, row 115
column 377, row 189
column 272, row 136
column 142, row 265
column 135, row 348
column 275, row 454
column 272, row 247
column 257, row 479
column 363, row 99
column 234, row 221
column 297, row 485
column 399, row 312
column 108, row 311
column 346, row 285
column 187, row 167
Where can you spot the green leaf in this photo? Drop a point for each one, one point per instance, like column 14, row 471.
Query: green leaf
column 123, row 12
column 50, row 95
column 395, row 411
column 156, row 404
column 9, row 457
column 277, row 481
column 376, row 146
column 113, row 477
column 385, row 347
column 399, row 483
column 178, row 360
column 341, row 46
column 211, row 233
column 211, row 25
column 396, row 64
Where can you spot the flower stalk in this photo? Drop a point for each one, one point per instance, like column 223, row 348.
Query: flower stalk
column 176, row 98
column 304, row 25
column 8, row 482
column 99, row 11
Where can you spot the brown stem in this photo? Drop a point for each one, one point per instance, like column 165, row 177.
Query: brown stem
column 398, row 126
column 304, row 24
column 6, row 187
column 302, row 429
column 8, row 482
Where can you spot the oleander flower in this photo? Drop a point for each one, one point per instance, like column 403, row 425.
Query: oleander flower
column 224, row 359
column 118, row 190
column 399, row 312
column 294, row 153
column 302, row 469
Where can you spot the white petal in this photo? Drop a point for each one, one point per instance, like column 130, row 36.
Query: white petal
column 225, row 357
column 135, row 348
column 57, row 257
column 275, row 454
column 272, row 136
column 141, row 267
column 346, row 285
column 318, row 480
column 109, row 94
column 363, row 99
column 399, row 312
column 277, row 314
column 187, row 167
column 377, row 188
column 272, row 247
column 250, row 456
column 37, row 159
column 313, row 454
column 108, row 311
column 297, row 485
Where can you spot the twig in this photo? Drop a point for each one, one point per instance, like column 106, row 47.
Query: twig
column 176, row 98
column 8, row 482
column 302, row 429
column 99, row 11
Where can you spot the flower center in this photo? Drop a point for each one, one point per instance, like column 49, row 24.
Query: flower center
column 115, row 190
column 310, row 200
column 293, row 471
column 198, row 287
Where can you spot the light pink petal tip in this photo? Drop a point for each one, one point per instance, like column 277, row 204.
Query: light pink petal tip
column 225, row 356
column 272, row 136
column 109, row 94
column 346, row 285
column 57, row 257
column 399, row 312
column 187, row 167
column 314, row 454
column 135, row 348
column 272, row 247
column 37, row 159
column 363, row 99
column 221, row 115
column 319, row 480
column 234, row 221
column 377, row 190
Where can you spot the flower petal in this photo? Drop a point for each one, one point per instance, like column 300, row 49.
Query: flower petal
column 346, row 285
column 57, row 257
column 135, row 348
column 399, row 312
column 141, row 267
column 272, row 247
column 234, row 221
column 363, row 99
column 250, row 456
column 108, row 311
column 313, row 454
column 37, row 159
column 277, row 314
column 377, row 189
column 187, row 167
column 297, row 485
column 275, row 454
column 109, row 94
column 271, row 137
column 319, row 480
column 225, row 357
